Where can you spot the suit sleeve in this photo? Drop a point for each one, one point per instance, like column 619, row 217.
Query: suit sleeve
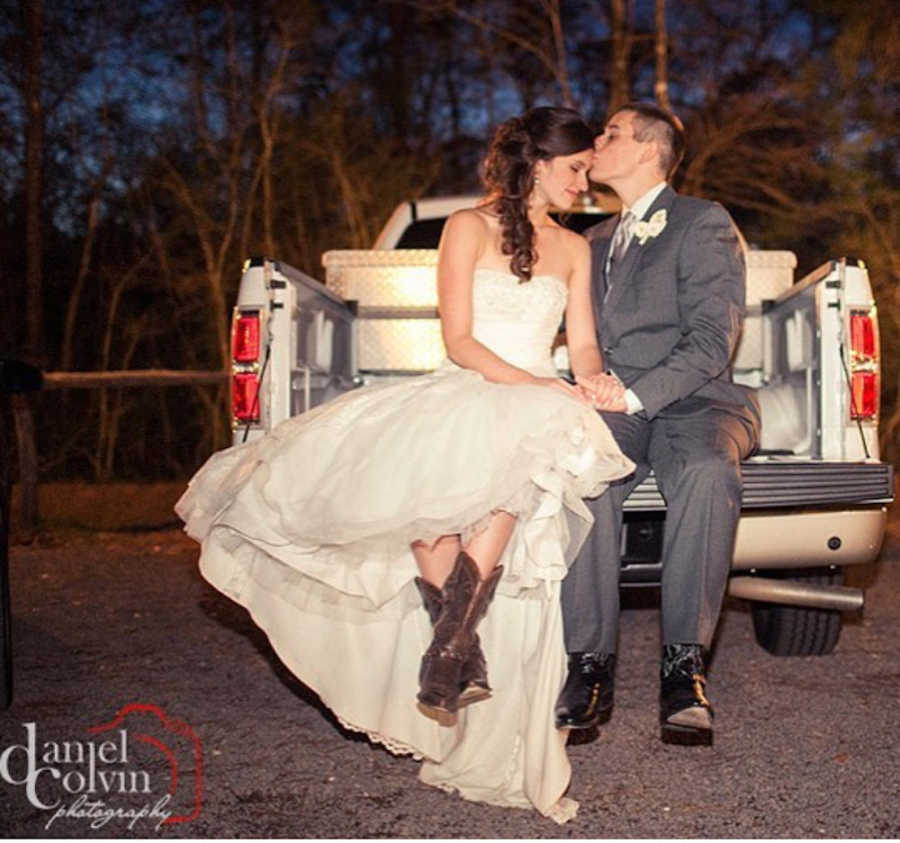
column 712, row 278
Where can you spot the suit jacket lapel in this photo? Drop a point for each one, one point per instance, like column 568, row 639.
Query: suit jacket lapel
column 598, row 268
column 620, row 276
column 600, row 238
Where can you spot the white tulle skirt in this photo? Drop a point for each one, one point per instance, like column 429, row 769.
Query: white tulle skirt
column 310, row 528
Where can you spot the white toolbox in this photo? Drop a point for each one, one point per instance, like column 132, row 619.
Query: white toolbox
column 769, row 274
column 399, row 329
column 396, row 295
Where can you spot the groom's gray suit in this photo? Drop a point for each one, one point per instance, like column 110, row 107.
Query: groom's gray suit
column 668, row 319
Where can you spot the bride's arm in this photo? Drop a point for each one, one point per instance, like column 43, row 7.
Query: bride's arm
column 606, row 392
column 462, row 243
column 581, row 335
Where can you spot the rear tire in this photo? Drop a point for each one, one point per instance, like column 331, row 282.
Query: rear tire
column 797, row 631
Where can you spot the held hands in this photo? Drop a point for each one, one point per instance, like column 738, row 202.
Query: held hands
column 599, row 392
column 603, row 392
column 569, row 389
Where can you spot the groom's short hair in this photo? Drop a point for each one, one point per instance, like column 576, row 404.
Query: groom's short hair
column 653, row 123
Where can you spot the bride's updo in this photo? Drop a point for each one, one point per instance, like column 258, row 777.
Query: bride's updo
column 538, row 135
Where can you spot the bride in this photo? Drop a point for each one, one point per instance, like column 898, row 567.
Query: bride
column 368, row 537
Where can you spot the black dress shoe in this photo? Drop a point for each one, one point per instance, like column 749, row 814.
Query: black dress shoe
column 684, row 711
column 587, row 696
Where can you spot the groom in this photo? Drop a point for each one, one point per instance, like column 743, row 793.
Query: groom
column 668, row 291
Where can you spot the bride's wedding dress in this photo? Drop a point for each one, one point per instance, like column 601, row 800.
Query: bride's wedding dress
column 310, row 528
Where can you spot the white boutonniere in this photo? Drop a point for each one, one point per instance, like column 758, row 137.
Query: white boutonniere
column 645, row 229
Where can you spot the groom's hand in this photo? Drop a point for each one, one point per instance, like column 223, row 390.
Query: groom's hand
column 605, row 392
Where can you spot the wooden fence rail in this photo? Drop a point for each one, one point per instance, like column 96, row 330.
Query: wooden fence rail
column 129, row 378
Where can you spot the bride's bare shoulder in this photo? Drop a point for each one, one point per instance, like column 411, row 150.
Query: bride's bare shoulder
column 466, row 232
column 481, row 215
column 571, row 239
column 470, row 224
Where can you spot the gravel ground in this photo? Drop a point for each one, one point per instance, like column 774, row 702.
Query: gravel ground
column 805, row 747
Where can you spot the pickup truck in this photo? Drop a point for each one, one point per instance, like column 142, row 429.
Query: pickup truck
column 815, row 495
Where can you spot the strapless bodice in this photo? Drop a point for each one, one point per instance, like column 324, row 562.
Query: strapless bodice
column 518, row 322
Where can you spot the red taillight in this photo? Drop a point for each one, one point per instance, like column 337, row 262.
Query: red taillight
column 865, row 395
column 245, row 340
column 244, row 394
column 865, row 364
column 862, row 335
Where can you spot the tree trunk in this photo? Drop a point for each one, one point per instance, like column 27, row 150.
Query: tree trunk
column 559, row 49
column 661, row 46
column 619, row 85
column 67, row 353
column 353, row 210
column 115, row 414
column 34, row 142
column 28, row 465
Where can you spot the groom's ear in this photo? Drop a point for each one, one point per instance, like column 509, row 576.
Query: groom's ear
column 650, row 152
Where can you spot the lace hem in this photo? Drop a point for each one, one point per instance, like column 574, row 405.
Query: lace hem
column 393, row 746
column 563, row 810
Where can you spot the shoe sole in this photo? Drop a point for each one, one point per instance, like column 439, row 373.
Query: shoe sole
column 690, row 727
column 695, row 717
column 599, row 718
column 473, row 694
column 441, row 715
column 447, row 716
column 685, row 735
column 580, row 737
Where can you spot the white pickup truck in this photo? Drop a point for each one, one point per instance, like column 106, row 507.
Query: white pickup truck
column 815, row 495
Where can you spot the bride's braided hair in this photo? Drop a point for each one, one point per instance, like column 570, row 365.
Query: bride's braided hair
column 538, row 135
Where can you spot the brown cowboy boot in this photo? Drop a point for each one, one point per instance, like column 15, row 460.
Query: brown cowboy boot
column 473, row 678
column 465, row 600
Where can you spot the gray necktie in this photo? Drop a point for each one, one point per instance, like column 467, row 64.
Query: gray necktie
column 622, row 236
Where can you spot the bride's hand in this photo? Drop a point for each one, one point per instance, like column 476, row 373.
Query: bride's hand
column 605, row 392
column 564, row 386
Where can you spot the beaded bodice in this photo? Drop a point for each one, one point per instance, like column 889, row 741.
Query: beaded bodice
column 518, row 322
